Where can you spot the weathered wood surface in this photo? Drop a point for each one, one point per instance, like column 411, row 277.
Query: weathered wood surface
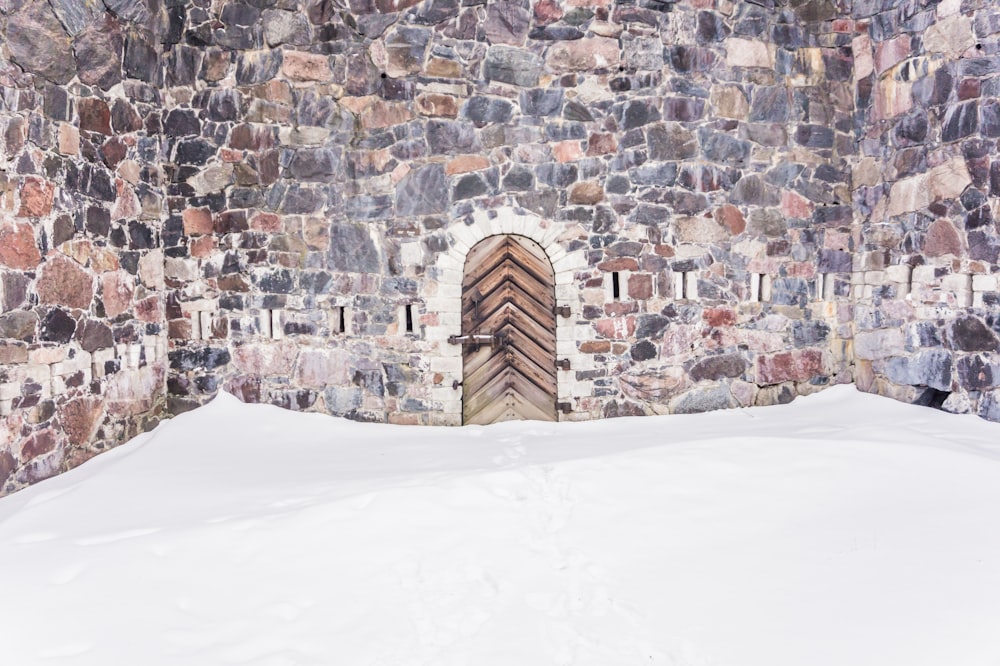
column 508, row 290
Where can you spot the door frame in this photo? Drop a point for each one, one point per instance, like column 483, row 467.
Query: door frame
column 448, row 272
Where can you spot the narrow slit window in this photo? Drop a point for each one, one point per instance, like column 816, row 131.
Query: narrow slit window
column 616, row 288
column 409, row 318
column 206, row 325
column 277, row 325
column 338, row 319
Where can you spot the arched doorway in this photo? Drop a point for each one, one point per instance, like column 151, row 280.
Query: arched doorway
column 508, row 332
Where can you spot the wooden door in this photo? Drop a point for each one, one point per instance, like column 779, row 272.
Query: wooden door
column 508, row 325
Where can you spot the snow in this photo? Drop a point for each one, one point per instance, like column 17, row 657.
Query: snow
column 842, row 529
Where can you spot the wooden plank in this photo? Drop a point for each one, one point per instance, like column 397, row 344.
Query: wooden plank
column 478, row 264
column 514, row 294
column 513, row 281
column 504, row 276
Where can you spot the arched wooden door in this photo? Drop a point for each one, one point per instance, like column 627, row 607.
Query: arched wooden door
column 508, row 332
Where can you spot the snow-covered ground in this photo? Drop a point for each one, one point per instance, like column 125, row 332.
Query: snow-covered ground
column 843, row 530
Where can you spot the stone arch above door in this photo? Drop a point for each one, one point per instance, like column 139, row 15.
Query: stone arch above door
column 446, row 303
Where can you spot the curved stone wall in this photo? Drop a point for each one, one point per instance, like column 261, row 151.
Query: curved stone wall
column 253, row 196
column 82, row 335
column 925, row 190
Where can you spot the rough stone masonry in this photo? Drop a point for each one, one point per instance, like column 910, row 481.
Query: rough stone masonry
column 257, row 196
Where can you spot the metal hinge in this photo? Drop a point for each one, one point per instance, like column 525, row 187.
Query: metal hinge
column 564, row 407
column 564, row 311
column 491, row 339
column 563, row 364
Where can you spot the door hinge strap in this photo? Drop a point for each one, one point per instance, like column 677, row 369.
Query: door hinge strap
column 492, row 339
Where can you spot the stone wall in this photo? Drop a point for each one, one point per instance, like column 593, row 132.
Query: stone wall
column 328, row 166
column 925, row 192
column 276, row 198
column 82, row 342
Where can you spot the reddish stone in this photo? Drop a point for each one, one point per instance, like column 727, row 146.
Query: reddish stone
column 95, row 116
column 149, row 310
column 789, row 366
column 38, row 443
column 619, row 264
column 179, row 329
column 567, row 151
column 7, row 465
column 466, row 163
column 719, row 316
column 665, row 250
column 36, row 197
column 233, row 282
column 113, row 151
column 843, row 25
column 17, row 246
column 116, row 292
column 584, row 54
column 197, row 221
column 317, row 368
column 247, row 389
column 306, row 66
column 386, row 114
column 202, row 246
column 796, row 205
column 437, row 104
column 601, row 144
column 586, row 194
column 79, row 419
column 595, row 347
column 968, row 89
column 615, row 328
column 265, row 222
column 620, row 308
column 443, row 68
column 942, row 238
column 63, row 282
column 547, row 11
column 891, row 52
column 270, row 359
column 731, row 218
column 640, row 286
column 248, row 137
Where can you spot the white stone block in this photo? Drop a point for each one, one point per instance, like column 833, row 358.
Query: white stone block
column 507, row 224
column 565, row 347
column 521, row 225
column 985, row 283
column 567, row 294
column 81, row 361
column 565, row 277
column 448, row 261
column 438, row 333
column 956, row 282
column 446, row 364
column 899, row 273
column 923, row 275
column 875, row 277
